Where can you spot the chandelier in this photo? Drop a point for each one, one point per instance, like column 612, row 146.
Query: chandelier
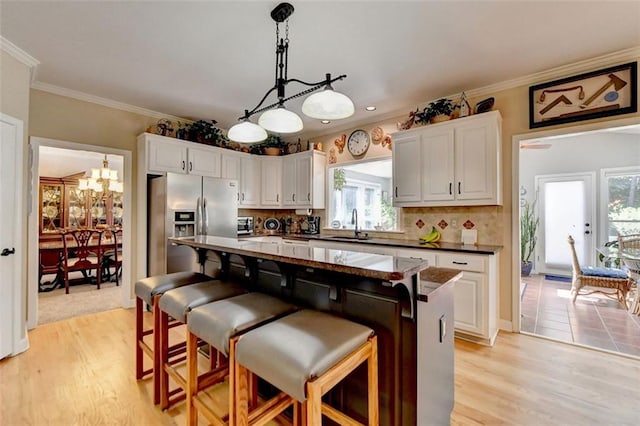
column 102, row 183
column 324, row 105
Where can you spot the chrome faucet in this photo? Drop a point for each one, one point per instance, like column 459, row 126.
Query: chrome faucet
column 354, row 221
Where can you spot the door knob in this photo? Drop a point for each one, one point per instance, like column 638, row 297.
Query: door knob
column 7, row 252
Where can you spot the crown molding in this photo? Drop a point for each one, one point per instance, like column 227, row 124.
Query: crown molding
column 21, row 56
column 81, row 96
column 586, row 65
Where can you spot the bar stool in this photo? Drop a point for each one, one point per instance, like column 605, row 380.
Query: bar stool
column 147, row 291
column 176, row 304
column 304, row 354
column 219, row 324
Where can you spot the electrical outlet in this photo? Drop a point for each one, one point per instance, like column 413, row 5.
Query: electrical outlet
column 454, row 223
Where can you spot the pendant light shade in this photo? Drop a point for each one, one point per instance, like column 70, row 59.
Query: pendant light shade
column 247, row 132
column 328, row 105
column 280, row 120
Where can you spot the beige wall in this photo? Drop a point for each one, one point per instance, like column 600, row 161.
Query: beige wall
column 494, row 223
column 67, row 119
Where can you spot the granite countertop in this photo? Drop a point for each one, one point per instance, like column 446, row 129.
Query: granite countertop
column 376, row 266
column 413, row 244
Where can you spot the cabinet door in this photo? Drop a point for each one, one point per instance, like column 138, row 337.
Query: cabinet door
column 406, row 169
column 437, row 165
column 249, row 175
column 468, row 303
column 230, row 169
column 166, row 156
column 204, row 162
column 271, row 181
column 476, row 162
column 304, row 170
column 77, row 205
column 289, row 181
column 51, row 207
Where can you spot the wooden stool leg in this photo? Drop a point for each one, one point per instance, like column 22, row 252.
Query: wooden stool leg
column 162, row 359
column 232, row 380
column 192, row 377
column 139, row 337
column 157, row 363
column 313, row 405
column 372, row 369
column 241, row 395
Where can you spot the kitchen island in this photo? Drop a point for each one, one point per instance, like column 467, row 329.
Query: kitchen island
column 406, row 302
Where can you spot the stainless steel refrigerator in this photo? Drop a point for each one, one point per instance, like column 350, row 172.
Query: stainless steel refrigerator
column 183, row 206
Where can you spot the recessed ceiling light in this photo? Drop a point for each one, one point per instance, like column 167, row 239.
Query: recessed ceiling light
column 370, row 108
column 325, row 121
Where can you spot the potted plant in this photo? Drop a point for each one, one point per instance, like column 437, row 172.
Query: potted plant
column 203, row 131
column 435, row 112
column 273, row 145
column 528, row 229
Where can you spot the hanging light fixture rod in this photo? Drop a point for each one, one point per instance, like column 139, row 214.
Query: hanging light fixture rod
column 326, row 104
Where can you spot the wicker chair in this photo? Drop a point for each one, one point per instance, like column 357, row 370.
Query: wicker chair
column 611, row 278
column 626, row 242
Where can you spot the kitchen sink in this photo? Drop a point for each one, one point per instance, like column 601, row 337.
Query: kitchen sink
column 347, row 238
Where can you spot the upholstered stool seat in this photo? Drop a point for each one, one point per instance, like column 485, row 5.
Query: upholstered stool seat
column 218, row 324
column 176, row 304
column 147, row 291
column 304, row 355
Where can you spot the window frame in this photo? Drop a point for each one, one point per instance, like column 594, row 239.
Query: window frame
column 605, row 174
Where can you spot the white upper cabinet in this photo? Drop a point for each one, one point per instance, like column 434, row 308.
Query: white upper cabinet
column 406, row 168
column 303, row 180
column 249, row 180
column 452, row 163
column 270, row 181
column 164, row 154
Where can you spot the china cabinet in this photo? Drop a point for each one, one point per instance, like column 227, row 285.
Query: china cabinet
column 62, row 205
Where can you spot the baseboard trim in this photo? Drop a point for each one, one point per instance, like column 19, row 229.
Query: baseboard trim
column 506, row 325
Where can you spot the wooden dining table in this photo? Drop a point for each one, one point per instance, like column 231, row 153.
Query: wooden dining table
column 51, row 255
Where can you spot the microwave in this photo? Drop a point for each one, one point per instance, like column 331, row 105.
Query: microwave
column 245, row 225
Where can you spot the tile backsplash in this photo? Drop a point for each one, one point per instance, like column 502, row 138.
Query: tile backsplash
column 418, row 221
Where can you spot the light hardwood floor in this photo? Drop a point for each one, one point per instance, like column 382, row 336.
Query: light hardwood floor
column 81, row 372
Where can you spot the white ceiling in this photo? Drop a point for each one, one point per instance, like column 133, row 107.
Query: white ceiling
column 213, row 59
column 60, row 162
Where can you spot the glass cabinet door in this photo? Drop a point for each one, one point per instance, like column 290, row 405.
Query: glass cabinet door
column 76, row 207
column 51, row 207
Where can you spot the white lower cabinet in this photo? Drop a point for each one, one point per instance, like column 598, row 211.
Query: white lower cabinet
column 475, row 293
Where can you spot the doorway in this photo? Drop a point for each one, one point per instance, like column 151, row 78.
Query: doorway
column 566, row 207
column 563, row 171
column 63, row 163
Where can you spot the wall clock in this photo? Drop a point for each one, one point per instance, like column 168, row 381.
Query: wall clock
column 358, row 142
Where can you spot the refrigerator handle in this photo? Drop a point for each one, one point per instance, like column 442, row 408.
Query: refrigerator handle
column 205, row 216
column 198, row 217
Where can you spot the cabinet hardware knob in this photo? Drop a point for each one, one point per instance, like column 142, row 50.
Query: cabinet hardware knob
column 308, row 196
column 459, row 191
column 396, row 192
column 293, row 197
column 190, row 166
column 183, row 165
column 277, row 198
column 459, row 263
column 450, row 188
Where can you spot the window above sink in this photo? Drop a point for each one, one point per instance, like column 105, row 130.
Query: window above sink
column 367, row 187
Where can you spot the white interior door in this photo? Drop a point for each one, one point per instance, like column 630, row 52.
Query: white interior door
column 12, row 319
column 566, row 206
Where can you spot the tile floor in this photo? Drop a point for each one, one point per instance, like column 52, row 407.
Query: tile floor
column 594, row 320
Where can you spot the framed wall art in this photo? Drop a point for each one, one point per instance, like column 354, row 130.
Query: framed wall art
column 602, row 93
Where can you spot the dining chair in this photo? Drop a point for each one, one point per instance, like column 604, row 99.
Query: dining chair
column 112, row 256
column 82, row 251
column 610, row 278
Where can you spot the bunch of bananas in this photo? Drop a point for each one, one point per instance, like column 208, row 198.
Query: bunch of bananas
column 431, row 237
